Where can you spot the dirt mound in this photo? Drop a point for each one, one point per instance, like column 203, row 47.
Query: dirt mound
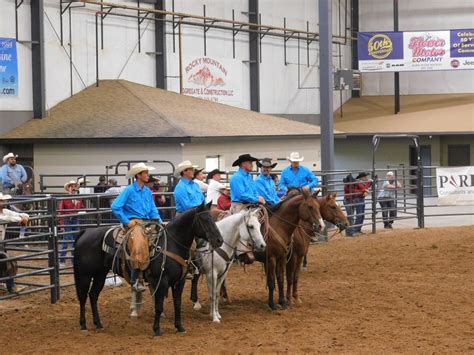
column 397, row 291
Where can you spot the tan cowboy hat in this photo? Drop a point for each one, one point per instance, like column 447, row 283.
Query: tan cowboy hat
column 295, row 157
column 226, row 186
column 138, row 168
column 4, row 197
column 69, row 183
column 183, row 166
column 8, row 156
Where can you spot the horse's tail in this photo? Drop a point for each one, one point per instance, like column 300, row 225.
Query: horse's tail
column 76, row 266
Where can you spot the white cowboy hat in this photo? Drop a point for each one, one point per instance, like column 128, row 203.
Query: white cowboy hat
column 81, row 181
column 390, row 173
column 295, row 156
column 69, row 183
column 138, row 168
column 8, row 156
column 183, row 166
column 4, row 197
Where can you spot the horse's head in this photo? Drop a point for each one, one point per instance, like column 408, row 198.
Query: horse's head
column 138, row 248
column 27, row 187
column 309, row 212
column 332, row 211
column 250, row 231
column 205, row 227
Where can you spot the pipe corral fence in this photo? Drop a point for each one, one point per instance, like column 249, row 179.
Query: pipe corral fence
column 43, row 250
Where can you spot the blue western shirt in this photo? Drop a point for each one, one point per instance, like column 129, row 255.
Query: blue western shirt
column 266, row 188
column 297, row 179
column 135, row 202
column 242, row 188
column 10, row 175
column 187, row 195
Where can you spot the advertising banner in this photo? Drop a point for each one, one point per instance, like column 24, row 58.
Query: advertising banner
column 416, row 51
column 214, row 79
column 455, row 185
column 8, row 68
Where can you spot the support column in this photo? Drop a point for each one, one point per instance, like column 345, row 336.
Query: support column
column 396, row 75
column 326, row 85
column 354, row 31
column 37, row 56
column 254, row 59
column 160, row 46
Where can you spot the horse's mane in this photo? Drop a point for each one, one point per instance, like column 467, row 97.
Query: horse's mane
column 276, row 208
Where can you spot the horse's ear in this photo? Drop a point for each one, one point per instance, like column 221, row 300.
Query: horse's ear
column 316, row 193
column 209, row 205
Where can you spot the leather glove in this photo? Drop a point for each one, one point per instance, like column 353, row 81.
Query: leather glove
column 132, row 223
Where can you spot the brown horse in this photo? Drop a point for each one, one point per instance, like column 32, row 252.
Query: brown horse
column 283, row 219
column 331, row 212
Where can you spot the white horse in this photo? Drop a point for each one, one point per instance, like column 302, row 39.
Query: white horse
column 243, row 229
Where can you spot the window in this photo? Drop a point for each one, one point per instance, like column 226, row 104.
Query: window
column 212, row 162
column 459, row 155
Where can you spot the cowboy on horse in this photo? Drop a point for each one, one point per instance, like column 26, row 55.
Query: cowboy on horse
column 13, row 175
column 187, row 193
column 133, row 206
column 265, row 185
column 243, row 190
column 296, row 176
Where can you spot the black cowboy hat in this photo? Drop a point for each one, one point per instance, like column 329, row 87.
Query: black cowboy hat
column 197, row 171
column 214, row 172
column 242, row 158
column 362, row 174
column 266, row 163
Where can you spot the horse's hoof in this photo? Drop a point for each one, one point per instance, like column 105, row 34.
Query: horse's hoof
column 299, row 301
column 180, row 329
column 283, row 305
column 99, row 327
column 157, row 334
column 134, row 314
column 84, row 330
column 197, row 306
column 304, row 268
column 272, row 307
column 216, row 320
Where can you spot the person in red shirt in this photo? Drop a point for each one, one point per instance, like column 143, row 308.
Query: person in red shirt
column 223, row 202
column 68, row 207
column 361, row 190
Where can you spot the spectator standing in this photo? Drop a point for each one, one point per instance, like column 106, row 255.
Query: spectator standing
column 387, row 199
column 215, row 188
column 349, row 193
column 69, row 206
column 362, row 188
column 199, row 179
column 223, row 202
column 101, row 186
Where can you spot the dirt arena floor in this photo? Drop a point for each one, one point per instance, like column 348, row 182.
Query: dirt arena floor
column 408, row 291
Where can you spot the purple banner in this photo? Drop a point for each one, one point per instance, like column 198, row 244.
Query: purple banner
column 380, row 45
column 462, row 43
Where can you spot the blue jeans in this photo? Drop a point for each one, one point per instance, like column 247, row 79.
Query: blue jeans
column 68, row 237
column 359, row 206
column 350, row 216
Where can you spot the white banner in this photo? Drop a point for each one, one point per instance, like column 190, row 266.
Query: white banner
column 213, row 79
column 455, row 185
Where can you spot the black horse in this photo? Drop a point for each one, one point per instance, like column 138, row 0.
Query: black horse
column 92, row 263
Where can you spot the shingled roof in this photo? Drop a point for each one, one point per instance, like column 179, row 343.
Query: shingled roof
column 122, row 109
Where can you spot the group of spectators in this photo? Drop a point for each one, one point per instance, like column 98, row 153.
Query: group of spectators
column 355, row 192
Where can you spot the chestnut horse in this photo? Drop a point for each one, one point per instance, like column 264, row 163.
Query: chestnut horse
column 283, row 219
column 331, row 212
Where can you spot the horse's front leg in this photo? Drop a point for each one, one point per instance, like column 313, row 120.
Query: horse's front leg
column 134, row 304
column 270, row 270
column 177, row 295
column 280, row 273
column 159, row 299
column 194, row 292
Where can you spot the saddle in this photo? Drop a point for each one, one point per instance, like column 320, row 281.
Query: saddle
column 113, row 239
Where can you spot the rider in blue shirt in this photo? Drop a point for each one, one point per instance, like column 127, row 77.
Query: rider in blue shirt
column 133, row 205
column 242, row 187
column 296, row 175
column 265, row 184
column 187, row 193
column 11, row 173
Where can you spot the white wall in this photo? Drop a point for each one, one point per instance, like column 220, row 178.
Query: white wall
column 377, row 15
column 120, row 58
column 79, row 159
column 275, row 149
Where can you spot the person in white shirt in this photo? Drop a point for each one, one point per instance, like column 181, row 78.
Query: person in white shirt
column 9, row 216
column 215, row 188
column 199, row 179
